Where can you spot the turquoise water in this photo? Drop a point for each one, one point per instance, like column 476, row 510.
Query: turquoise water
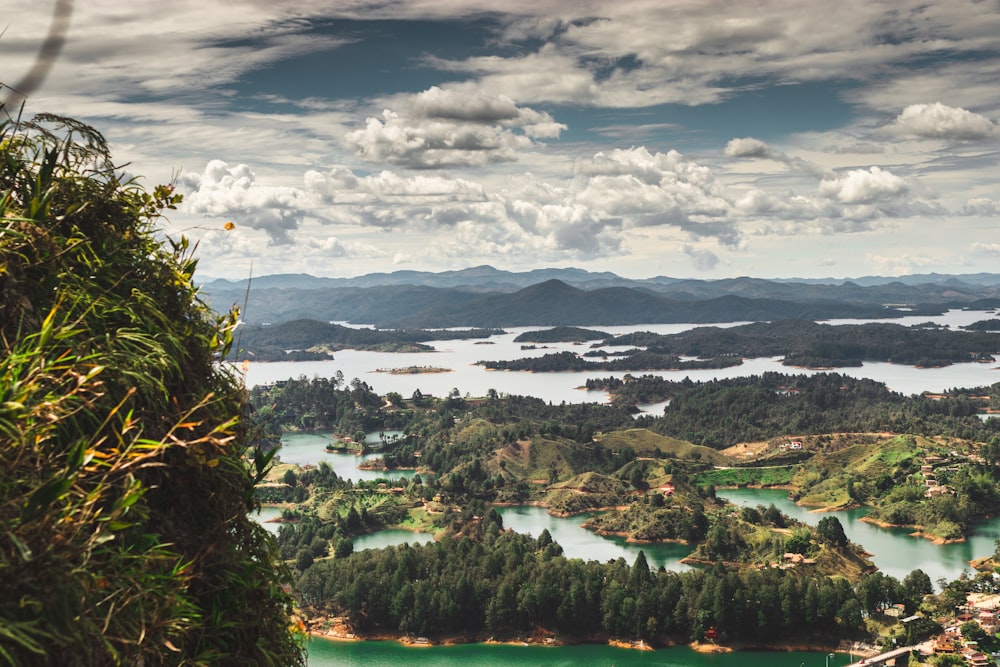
column 326, row 653
column 895, row 551
column 578, row 542
column 310, row 449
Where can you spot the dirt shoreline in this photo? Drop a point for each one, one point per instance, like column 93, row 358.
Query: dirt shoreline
column 336, row 630
column 917, row 532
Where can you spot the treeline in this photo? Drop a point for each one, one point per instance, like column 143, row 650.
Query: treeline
column 270, row 342
column 632, row 390
column 508, row 585
column 636, row 361
column 724, row 412
column 800, row 342
column 562, row 335
column 320, row 404
column 806, row 343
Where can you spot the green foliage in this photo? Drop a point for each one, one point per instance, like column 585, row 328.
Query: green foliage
column 745, row 476
column 505, row 585
column 124, row 495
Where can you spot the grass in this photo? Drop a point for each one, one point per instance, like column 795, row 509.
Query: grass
column 647, row 443
column 746, row 476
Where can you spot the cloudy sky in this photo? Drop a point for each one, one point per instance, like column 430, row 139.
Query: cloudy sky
column 696, row 138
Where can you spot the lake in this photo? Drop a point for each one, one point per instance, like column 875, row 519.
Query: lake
column 578, row 542
column 328, row 653
column 310, row 448
column 461, row 355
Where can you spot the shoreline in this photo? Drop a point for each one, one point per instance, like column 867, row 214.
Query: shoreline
column 917, row 531
column 541, row 638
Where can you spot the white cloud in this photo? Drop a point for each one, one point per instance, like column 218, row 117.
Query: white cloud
column 938, row 121
column 862, row 186
column 981, row 206
column 747, row 147
column 987, row 249
column 447, row 128
column 231, row 192
column 637, row 53
column 342, row 186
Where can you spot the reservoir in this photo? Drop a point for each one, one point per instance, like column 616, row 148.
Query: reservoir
column 327, row 653
column 460, row 357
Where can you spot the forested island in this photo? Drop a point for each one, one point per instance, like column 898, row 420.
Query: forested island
column 312, row 340
column 652, row 479
column 799, row 342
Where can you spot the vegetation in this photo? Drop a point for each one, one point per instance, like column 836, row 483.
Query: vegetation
column 722, row 413
column 647, row 486
column 317, row 340
column 562, row 335
column 506, row 585
column 124, row 492
column 800, row 342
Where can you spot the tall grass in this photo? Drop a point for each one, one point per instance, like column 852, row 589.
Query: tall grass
column 124, row 485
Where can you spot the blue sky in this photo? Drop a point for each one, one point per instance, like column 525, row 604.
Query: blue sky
column 700, row 139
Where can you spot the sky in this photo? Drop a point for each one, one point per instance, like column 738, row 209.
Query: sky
column 693, row 139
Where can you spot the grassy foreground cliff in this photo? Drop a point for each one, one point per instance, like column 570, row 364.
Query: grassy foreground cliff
column 124, row 485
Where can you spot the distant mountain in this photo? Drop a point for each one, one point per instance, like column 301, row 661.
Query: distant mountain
column 485, row 296
column 477, row 277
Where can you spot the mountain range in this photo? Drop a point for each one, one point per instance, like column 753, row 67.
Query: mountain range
column 487, row 297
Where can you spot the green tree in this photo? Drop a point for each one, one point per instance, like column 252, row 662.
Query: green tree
column 343, row 548
column 831, row 530
column 972, row 631
column 122, row 470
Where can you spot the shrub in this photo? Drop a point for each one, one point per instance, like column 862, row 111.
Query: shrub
column 124, row 491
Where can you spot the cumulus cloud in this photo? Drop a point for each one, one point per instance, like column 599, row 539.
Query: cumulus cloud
column 981, row 206
column 340, row 185
column 232, row 192
column 747, row 147
column 448, row 128
column 939, row 121
column 611, row 196
column 861, row 186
